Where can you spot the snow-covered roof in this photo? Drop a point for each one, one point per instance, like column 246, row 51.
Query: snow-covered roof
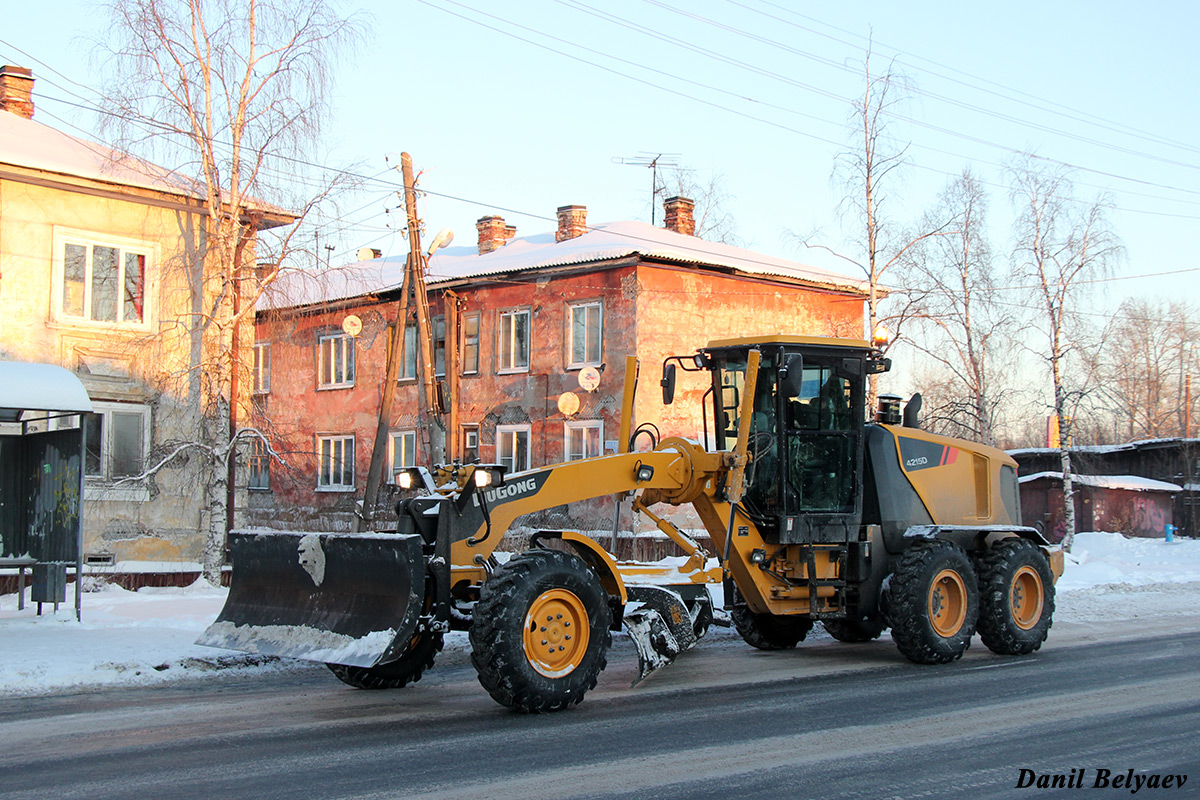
column 1101, row 448
column 26, row 386
column 1087, row 448
column 32, row 145
column 605, row 242
column 1132, row 483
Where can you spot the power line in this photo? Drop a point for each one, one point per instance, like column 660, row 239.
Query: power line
column 789, row 129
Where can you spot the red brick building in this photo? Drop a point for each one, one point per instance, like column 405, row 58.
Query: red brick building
column 534, row 314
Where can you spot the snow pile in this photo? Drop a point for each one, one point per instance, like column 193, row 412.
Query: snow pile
column 1102, row 559
column 148, row 637
column 129, row 638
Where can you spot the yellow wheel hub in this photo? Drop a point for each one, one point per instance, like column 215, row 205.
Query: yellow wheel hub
column 556, row 633
column 947, row 603
column 1025, row 598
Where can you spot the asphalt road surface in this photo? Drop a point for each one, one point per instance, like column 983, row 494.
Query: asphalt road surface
column 827, row 720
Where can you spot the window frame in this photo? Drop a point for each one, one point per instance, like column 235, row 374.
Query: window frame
column 515, row 431
column 261, row 368
column 330, row 336
column 504, row 348
column 571, row 426
column 408, row 355
column 105, row 410
column 63, row 236
column 468, row 431
column 583, row 305
column 258, row 465
column 438, row 331
column 331, row 438
column 470, row 343
column 393, row 435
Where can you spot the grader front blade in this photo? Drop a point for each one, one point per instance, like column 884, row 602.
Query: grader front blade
column 335, row 598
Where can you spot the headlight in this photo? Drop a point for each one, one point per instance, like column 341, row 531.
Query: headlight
column 406, row 479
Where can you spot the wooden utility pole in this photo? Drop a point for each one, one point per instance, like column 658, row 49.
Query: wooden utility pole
column 414, row 287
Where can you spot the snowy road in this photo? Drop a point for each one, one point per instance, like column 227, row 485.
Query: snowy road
column 826, row 720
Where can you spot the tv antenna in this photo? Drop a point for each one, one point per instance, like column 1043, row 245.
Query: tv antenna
column 652, row 161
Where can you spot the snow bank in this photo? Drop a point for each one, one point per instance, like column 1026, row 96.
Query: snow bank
column 127, row 638
column 148, row 637
column 1099, row 559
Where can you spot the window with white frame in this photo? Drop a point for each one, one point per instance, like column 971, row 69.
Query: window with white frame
column 512, row 345
column 583, row 439
column 512, row 447
column 470, row 344
column 258, row 465
column 102, row 280
column 403, row 452
column 470, row 444
column 116, row 440
column 439, row 347
column 335, row 463
column 335, row 360
column 585, row 326
column 408, row 355
column 262, row 367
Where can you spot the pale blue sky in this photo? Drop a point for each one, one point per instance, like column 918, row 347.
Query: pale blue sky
column 512, row 127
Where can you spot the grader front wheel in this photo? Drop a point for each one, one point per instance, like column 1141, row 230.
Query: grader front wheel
column 397, row 674
column 540, row 632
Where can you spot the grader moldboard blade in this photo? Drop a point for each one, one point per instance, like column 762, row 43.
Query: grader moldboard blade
column 336, row 598
column 663, row 627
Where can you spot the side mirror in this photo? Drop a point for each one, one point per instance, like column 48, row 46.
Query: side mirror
column 668, row 384
column 791, row 375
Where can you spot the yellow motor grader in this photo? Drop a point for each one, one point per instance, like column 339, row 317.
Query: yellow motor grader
column 815, row 515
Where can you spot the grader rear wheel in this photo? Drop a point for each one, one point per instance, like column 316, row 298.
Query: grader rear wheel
column 934, row 603
column 854, row 631
column 540, row 631
column 768, row 631
column 1016, row 598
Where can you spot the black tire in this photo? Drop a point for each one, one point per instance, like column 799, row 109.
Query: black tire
column 933, row 602
column 397, row 674
column 1016, row 589
column 769, row 631
column 506, row 640
column 854, row 631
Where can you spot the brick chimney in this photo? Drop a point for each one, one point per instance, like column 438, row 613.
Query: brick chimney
column 16, row 91
column 493, row 233
column 677, row 215
column 572, row 222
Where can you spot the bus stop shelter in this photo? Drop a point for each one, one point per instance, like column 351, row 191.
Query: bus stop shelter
column 41, row 472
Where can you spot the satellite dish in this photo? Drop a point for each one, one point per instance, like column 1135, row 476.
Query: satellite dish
column 352, row 325
column 568, row 404
column 589, row 378
column 368, row 253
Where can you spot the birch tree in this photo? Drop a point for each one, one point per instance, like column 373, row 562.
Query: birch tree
column 869, row 172
column 713, row 221
column 1061, row 245
column 961, row 324
column 227, row 93
column 1147, row 364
